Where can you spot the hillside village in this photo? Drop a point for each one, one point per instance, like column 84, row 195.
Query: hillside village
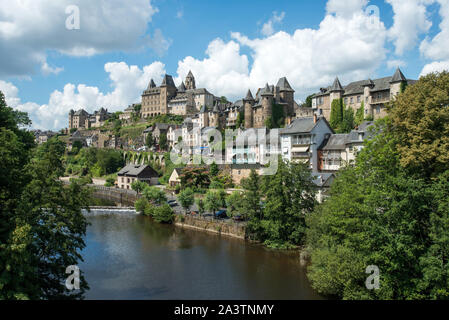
column 167, row 115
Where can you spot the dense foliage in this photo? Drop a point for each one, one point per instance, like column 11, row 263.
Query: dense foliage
column 41, row 225
column 391, row 209
column 94, row 161
column 290, row 196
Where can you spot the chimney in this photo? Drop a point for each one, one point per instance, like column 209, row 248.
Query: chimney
column 314, row 118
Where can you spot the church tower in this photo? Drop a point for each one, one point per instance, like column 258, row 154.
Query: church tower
column 190, row 81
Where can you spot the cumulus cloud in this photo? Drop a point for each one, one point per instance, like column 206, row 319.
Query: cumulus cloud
column 410, row 20
column 350, row 47
column 345, row 8
column 437, row 66
column 437, row 48
column 159, row 43
column 268, row 27
column 127, row 84
column 393, row 64
column 47, row 69
column 34, row 27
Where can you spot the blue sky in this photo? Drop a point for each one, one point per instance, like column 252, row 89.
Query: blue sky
column 229, row 45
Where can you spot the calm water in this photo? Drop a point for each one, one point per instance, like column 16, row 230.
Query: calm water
column 130, row 257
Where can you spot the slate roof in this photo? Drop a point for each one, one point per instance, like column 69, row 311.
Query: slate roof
column 398, row 76
column 357, row 87
column 168, row 81
column 151, row 85
column 336, row 86
column 182, row 87
column 136, row 170
column 284, row 85
column 302, row 125
column 81, row 112
column 336, row 142
column 267, row 91
column 249, row 96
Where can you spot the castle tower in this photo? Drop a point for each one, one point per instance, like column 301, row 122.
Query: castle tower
column 336, row 91
column 168, row 90
column 190, row 81
column 71, row 113
column 287, row 95
column 267, row 103
column 396, row 81
column 248, row 104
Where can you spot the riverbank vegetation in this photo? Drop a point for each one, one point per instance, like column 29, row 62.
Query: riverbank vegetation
column 390, row 210
column 41, row 225
column 153, row 204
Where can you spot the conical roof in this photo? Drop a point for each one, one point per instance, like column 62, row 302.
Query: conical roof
column 336, row 86
column 284, row 85
column 182, row 87
column 168, row 81
column 267, row 91
column 398, row 76
column 151, row 84
column 249, row 96
column 190, row 74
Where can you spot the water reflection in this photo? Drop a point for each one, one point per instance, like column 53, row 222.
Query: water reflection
column 130, row 257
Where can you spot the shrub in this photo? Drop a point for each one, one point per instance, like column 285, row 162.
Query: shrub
column 163, row 214
column 141, row 205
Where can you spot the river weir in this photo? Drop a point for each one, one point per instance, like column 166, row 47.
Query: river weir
column 128, row 256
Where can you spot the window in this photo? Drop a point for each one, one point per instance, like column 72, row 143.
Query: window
column 378, row 109
column 352, row 100
column 346, row 100
column 358, row 99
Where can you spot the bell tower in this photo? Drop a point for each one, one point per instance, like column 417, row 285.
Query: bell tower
column 190, row 81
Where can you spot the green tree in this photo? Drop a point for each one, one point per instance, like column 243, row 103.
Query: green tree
column 213, row 171
column 41, row 225
column 290, row 196
column 149, row 142
column 163, row 145
column 337, row 108
column 186, row 198
column 154, row 195
column 141, row 205
column 212, row 201
column 234, row 203
column 138, row 186
column 360, row 114
column 201, row 207
column 308, row 102
column 347, row 124
column 163, row 214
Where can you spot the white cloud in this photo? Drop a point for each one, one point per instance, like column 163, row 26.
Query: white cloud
column 351, row 48
column 180, row 14
column 438, row 48
column 31, row 28
column 345, row 8
column 268, row 27
column 393, row 64
column 435, row 67
column 127, row 84
column 410, row 20
column 47, row 69
column 158, row 43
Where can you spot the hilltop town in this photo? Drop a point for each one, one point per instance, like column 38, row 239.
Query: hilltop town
column 310, row 133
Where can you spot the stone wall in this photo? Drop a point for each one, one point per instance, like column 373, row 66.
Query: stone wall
column 231, row 229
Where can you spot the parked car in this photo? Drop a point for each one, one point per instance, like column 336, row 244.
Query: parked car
column 172, row 203
column 221, row 214
column 238, row 218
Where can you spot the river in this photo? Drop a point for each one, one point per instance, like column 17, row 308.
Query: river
column 128, row 256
